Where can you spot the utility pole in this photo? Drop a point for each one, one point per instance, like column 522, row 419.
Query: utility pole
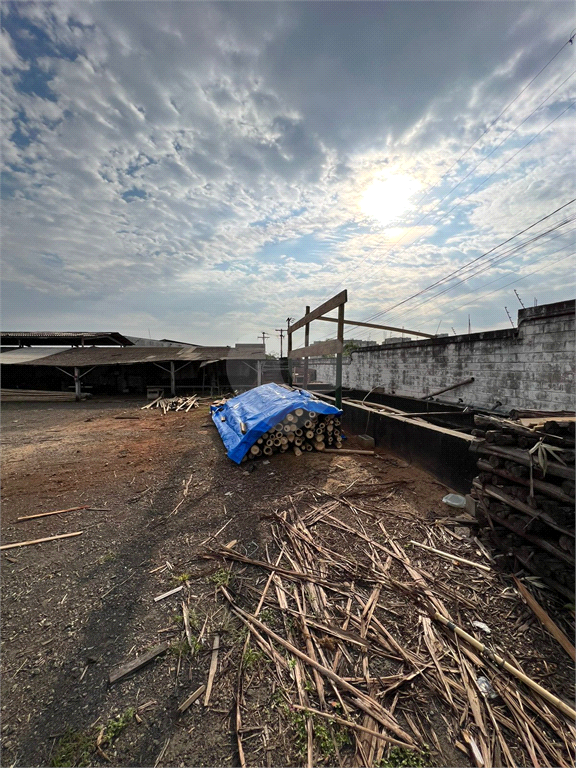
column 453, row 331
column 509, row 318
column 469, row 327
column 280, row 331
column 264, row 337
column 519, row 299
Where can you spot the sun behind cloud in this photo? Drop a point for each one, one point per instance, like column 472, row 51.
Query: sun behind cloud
column 387, row 199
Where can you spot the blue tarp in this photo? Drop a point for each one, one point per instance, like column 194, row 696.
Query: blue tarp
column 260, row 409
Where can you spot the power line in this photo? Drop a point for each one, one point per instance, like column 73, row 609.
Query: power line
column 455, row 272
column 477, row 187
column 491, row 263
column 486, row 130
column 403, row 315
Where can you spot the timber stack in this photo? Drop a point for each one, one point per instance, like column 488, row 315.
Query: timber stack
column 525, row 492
column 298, row 432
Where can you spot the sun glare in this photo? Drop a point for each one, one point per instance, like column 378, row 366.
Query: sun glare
column 386, row 199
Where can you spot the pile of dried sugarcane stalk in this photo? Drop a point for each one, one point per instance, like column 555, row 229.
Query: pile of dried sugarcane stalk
column 525, row 493
column 299, row 431
column 173, row 403
column 360, row 642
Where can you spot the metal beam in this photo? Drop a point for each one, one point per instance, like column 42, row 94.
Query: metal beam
column 334, row 346
column 328, row 306
column 380, row 327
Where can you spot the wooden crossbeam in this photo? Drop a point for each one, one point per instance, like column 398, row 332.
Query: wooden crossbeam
column 315, row 314
column 380, row 327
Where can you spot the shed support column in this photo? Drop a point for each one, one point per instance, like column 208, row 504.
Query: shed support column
column 77, row 383
column 306, row 343
column 258, row 372
column 172, row 379
column 338, row 393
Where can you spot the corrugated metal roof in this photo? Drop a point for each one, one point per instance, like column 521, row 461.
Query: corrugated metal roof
column 26, row 355
column 109, row 338
column 88, row 356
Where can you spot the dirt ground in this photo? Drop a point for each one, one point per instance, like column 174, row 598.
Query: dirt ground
column 160, row 489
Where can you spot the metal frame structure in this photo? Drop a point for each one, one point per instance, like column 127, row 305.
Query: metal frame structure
column 334, row 346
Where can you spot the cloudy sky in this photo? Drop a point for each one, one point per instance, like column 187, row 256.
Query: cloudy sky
column 202, row 171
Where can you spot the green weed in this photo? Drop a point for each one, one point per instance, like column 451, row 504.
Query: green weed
column 406, row 758
column 74, row 748
column 115, row 727
column 221, row 578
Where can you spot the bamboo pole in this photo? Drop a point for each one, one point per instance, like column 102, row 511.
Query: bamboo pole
column 450, row 556
column 39, row 541
column 545, row 619
column 57, row 512
column 549, row 697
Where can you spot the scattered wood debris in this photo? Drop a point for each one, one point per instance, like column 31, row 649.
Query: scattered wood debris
column 331, row 619
column 167, row 594
column 173, row 404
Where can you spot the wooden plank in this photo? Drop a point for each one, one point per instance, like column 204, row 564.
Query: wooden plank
column 334, row 346
column 380, row 327
column 39, row 541
column 191, row 699
column 545, row 619
column 398, row 417
column 328, row 306
column 135, row 664
column 46, row 514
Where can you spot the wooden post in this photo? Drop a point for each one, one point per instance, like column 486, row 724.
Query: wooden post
column 306, row 343
column 172, row 379
column 258, row 372
column 288, row 362
column 77, row 383
column 338, row 392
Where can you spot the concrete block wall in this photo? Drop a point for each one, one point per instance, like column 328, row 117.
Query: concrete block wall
column 532, row 366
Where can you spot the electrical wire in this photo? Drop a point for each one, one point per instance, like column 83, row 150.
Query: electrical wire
column 477, row 187
column 494, row 261
column 473, row 291
column 455, row 272
column 486, row 130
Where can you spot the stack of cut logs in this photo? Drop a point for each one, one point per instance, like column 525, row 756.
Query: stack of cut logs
column 174, row 403
column 299, row 431
column 527, row 497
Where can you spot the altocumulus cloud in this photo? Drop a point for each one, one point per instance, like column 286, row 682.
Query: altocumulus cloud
column 203, row 169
